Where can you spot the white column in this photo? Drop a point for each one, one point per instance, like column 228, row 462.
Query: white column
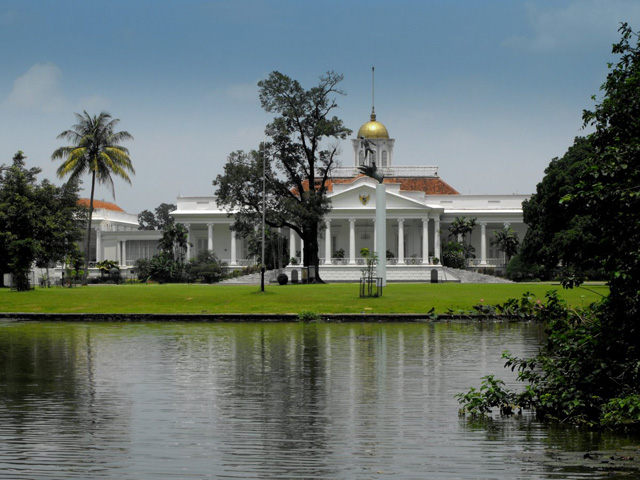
column 352, row 241
column 234, row 248
column 483, row 243
column 210, row 237
column 98, row 245
column 292, row 243
column 118, row 252
column 188, row 227
column 425, row 240
column 381, row 231
column 301, row 251
column 124, row 253
column 375, row 237
column 327, row 242
column 436, row 238
column 401, row 241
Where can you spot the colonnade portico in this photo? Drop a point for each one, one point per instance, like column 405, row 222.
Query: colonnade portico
column 350, row 234
column 228, row 255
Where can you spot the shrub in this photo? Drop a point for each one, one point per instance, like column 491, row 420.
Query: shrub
column 453, row 255
column 518, row 270
column 205, row 267
column 283, row 279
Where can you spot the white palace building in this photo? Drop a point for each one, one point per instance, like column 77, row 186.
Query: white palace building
column 420, row 207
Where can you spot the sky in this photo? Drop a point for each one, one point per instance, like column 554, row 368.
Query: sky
column 489, row 91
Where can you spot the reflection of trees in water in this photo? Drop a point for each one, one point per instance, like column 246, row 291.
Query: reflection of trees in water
column 49, row 395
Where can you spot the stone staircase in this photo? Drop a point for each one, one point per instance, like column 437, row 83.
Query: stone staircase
column 467, row 276
column 251, row 279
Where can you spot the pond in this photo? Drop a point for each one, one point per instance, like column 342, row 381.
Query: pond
column 266, row 401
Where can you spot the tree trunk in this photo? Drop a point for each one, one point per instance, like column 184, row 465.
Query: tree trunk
column 311, row 252
column 85, row 278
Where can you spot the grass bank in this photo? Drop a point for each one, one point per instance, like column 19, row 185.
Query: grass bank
column 329, row 298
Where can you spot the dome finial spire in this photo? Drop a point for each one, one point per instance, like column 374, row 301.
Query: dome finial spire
column 373, row 103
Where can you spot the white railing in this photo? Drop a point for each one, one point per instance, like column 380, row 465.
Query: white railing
column 494, row 262
column 363, row 261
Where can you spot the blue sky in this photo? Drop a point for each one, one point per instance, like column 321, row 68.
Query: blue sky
column 489, row 91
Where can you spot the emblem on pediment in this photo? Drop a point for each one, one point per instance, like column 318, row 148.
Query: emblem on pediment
column 364, row 199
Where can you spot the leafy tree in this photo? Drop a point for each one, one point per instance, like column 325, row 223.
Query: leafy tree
column 588, row 371
column 174, row 242
column 160, row 221
column 61, row 220
column 37, row 222
column 519, row 271
column 559, row 232
column 147, row 220
column 453, row 255
column 96, row 150
column 298, row 162
column 460, row 228
column 276, row 251
column 507, row 241
column 18, row 212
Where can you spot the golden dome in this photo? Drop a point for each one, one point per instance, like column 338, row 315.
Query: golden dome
column 373, row 129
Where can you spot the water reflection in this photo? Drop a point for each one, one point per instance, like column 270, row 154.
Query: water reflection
column 353, row 401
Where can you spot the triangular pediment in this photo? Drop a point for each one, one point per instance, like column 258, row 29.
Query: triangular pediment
column 362, row 195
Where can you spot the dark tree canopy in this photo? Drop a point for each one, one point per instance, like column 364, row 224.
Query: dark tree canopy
column 39, row 223
column 559, row 232
column 161, row 220
column 299, row 159
column 588, row 370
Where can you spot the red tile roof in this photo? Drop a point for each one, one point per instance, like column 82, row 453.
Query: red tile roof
column 428, row 185
column 84, row 202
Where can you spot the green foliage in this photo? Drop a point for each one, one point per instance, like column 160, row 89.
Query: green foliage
column 163, row 268
column 371, row 260
column 73, row 263
column 95, row 150
column 38, row 222
column 559, row 232
column 507, row 241
column 295, row 163
column 453, row 255
column 143, row 269
column 305, row 316
column 174, row 242
column 205, row 267
column 578, row 377
column 276, row 249
column 588, row 371
column 161, row 220
column 460, row 228
column 622, row 413
column 492, row 394
column 520, row 271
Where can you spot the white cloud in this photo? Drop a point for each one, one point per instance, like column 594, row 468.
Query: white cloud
column 39, row 89
column 578, row 23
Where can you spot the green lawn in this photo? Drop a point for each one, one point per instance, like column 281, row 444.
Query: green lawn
column 330, row 298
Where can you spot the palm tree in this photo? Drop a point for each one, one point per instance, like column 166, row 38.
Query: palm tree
column 460, row 227
column 96, row 150
column 507, row 241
